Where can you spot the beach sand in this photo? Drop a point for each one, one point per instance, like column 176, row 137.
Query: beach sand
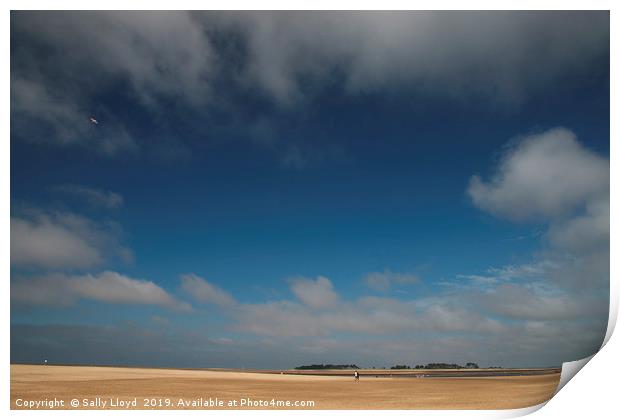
column 180, row 388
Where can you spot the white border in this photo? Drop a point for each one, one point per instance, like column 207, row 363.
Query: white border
column 593, row 394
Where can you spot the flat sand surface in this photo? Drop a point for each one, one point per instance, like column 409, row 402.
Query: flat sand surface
column 108, row 387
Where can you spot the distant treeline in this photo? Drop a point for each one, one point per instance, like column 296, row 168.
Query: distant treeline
column 469, row 365
column 314, row 367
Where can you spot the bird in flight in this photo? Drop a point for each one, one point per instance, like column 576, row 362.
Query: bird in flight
column 93, row 120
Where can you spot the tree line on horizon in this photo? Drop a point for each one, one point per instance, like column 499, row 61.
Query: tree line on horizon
column 314, row 367
column 468, row 365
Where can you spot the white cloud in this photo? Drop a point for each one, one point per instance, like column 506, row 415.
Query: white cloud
column 553, row 178
column 93, row 196
column 283, row 318
column 371, row 329
column 52, row 245
column 62, row 240
column 320, row 312
column 546, row 175
column 534, row 304
column 317, row 293
column 367, row 316
column 584, row 233
column 205, row 292
column 108, row 287
column 384, row 281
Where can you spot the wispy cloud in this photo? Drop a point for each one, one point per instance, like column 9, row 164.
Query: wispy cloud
column 383, row 281
column 205, row 292
column 93, row 196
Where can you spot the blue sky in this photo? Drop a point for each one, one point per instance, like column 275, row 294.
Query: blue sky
column 250, row 187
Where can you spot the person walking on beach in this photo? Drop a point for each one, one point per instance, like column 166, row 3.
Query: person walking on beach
column 356, row 375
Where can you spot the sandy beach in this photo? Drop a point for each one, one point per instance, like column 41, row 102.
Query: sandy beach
column 145, row 388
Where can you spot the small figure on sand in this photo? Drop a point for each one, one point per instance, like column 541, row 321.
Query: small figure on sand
column 356, row 375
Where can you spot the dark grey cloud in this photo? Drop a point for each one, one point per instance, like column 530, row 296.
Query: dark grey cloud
column 499, row 55
column 49, row 113
column 62, row 63
column 157, row 53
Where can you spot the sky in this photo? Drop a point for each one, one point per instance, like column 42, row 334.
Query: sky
column 270, row 189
